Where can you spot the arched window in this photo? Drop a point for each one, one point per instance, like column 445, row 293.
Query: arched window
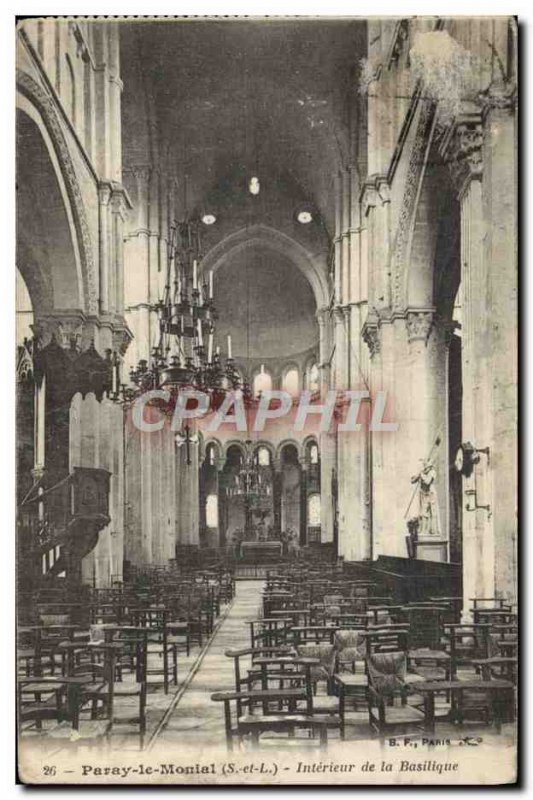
column 291, row 382
column 313, row 454
column 263, row 457
column 211, row 511
column 211, row 455
column 313, row 510
column 262, row 383
column 313, row 377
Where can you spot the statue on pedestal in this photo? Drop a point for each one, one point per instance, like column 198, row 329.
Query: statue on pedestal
column 428, row 506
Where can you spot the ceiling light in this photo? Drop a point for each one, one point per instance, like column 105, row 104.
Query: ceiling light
column 254, row 186
column 209, row 219
column 304, row 217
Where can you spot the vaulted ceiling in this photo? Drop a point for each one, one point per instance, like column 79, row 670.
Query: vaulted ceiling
column 218, row 101
column 234, row 98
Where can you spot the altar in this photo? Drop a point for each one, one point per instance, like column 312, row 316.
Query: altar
column 253, row 552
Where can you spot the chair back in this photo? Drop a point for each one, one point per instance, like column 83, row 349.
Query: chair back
column 350, row 645
column 386, row 672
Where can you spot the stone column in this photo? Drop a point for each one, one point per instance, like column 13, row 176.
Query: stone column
column 501, row 251
column 222, row 504
column 276, row 493
column 303, row 504
column 480, row 151
column 328, row 460
column 325, row 337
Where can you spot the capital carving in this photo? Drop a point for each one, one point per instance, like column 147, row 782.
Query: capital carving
column 502, row 97
column 121, row 338
column 322, row 316
column 65, row 329
column 419, row 323
column 464, row 152
column 371, row 333
column 339, row 314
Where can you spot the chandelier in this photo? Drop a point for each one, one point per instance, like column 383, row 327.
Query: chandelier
column 185, row 354
column 250, row 482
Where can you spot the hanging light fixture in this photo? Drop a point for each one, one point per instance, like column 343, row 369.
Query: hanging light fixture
column 250, row 482
column 254, row 186
column 185, row 354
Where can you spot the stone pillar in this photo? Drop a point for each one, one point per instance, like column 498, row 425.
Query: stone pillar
column 141, row 277
column 222, row 505
column 276, row 493
column 104, row 196
column 341, row 348
column 40, row 424
column 501, row 250
column 481, row 153
column 303, row 505
column 328, row 460
column 325, row 347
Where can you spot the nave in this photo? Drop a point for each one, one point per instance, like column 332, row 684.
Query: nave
column 304, row 658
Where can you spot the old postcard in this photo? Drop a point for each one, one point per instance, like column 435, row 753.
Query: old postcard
column 267, row 400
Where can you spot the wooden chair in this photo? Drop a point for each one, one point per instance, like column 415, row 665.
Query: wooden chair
column 269, row 631
column 285, row 717
column 388, row 710
column 161, row 644
column 350, row 647
column 40, row 699
column 325, row 654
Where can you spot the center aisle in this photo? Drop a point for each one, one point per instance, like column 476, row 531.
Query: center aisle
column 197, row 720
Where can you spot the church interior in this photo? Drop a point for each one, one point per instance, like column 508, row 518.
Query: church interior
column 245, row 209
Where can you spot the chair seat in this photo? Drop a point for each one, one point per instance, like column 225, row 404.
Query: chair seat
column 324, row 704
column 127, row 689
column 431, row 673
column 90, row 729
column 359, row 679
column 413, row 677
column 33, row 688
column 99, row 687
column 399, row 714
column 287, row 720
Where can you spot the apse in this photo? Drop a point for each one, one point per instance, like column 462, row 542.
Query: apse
column 266, row 304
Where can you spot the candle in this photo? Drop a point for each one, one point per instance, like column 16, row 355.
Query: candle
column 211, row 284
column 194, row 274
column 218, row 350
column 201, row 296
column 200, row 339
column 210, row 348
column 262, row 369
column 180, row 346
column 229, row 345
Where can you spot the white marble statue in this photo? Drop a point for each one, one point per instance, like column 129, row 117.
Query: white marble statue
column 428, row 506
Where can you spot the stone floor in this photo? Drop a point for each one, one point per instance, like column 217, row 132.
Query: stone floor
column 195, row 713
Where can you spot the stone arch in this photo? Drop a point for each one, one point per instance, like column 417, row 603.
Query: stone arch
column 311, row 267
column 416, row 167
column 216, row 444
column 268, row 446
column 286, row 442
column 233, row 443
column 39, row 112
column 430, row 276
